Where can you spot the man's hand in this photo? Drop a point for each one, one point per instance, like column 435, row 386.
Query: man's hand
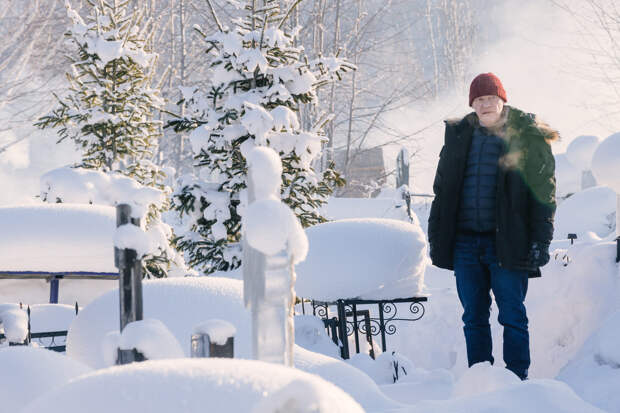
column 539, row 254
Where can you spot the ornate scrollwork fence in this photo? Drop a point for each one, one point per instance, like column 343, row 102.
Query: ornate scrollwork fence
column 351, row 321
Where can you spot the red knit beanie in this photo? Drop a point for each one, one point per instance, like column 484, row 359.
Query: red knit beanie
column 486, row 84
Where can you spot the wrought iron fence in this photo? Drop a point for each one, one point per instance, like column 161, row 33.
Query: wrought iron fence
column 351, row 321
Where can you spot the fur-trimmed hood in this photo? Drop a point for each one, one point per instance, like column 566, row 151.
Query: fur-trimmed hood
column 516, row 119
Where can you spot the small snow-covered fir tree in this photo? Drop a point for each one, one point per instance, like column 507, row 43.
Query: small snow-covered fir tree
column 259, row 79
column 110, row 105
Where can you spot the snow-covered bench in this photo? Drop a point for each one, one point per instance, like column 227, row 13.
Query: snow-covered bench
column 57, row 241
column 361, row 267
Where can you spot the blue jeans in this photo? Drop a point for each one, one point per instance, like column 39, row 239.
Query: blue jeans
column 478, row 272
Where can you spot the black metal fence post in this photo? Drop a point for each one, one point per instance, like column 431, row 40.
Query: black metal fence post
column 618, row 249
column 382, row 327
column 402, row 168
column 342, row 327
column 54, row 287
column 130, row 284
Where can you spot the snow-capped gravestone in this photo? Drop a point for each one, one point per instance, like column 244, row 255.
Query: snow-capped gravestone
column 378, row 259
column 606, row 169
column 579, row 153
column 274, row 241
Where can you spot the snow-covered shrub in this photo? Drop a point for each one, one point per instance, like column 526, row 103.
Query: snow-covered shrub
column 109, row 109
column 259, row 80
column 88, row 186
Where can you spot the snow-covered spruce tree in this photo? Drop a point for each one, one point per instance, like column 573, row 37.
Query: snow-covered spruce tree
column 109, row 108
column 259, row 80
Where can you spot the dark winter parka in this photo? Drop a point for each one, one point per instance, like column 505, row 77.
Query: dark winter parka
column 525, row 189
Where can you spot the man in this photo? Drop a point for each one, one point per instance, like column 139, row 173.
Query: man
column 492, row 217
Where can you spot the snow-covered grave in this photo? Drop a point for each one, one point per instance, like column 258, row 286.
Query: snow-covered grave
column 57, row 241
column 364, row 268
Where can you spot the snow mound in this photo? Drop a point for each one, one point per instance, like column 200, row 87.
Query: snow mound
column 540, row 395
column 219, row 331
column 589, row 210
column 88, row 186
column 15, row 324
column 363, row 258
column 347, row 208
column 580, row 151
column 569, row 303
column 350, row 379
column 29, row 372
column 57, row 238
column 151, row 338
column 310, row 334
column 194, row 385
column 605, row 162
column 595, row 372
column 483, row 378
column 51, row 317
column 179, row 303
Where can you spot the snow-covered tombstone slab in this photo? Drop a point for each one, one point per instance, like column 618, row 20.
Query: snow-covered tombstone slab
column 57, row 238
column 196, row 386
column 363, row 258
column 579, row 153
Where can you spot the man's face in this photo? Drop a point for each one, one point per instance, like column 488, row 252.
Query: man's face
column 488, row 108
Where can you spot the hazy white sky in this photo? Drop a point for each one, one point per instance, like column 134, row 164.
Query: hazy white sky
column 540, row 56
column 538, row 53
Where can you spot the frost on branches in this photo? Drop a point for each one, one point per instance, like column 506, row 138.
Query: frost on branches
column 109, row 108
column 259, row 80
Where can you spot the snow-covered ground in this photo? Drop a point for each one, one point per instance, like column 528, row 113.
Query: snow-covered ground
column 574, row 312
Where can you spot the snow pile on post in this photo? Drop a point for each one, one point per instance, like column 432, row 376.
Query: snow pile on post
column 190, row 386
column 57, row 238
column 219, row 331
column 363, row 258
column 130, row 236
column 15, row 324
column 270, row 226
column 149, row 337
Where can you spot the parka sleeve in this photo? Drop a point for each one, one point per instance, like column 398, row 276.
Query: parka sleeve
column 433, row 218
column 541, row 199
